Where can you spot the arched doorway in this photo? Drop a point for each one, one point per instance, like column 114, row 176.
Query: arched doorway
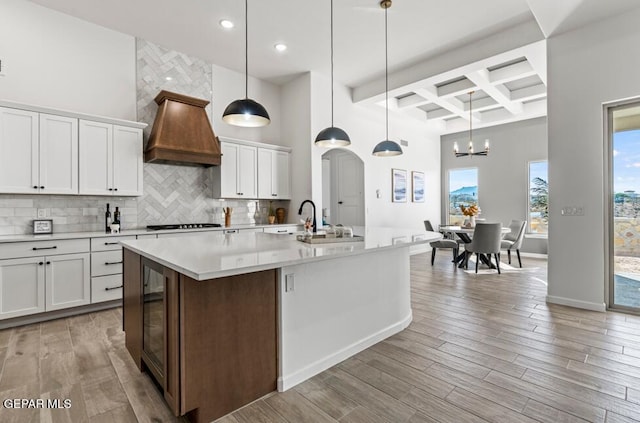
column 342, row 188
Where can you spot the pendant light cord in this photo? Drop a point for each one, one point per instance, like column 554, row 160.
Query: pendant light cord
column 470, row 116
column 331, row 63
column 246, row 48
column 386, row 73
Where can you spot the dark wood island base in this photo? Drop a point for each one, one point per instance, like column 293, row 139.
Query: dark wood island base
column 218, row 337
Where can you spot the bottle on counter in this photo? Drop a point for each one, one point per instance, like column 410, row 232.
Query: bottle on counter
column 107, row 219
column 116, row 216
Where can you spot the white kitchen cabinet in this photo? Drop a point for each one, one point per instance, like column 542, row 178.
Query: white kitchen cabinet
column 111, row 160
column 58, row 155
column 22, row 287
column 274, row 174
column 38, row 153
column 68, row 283
column 236, row 177
column 37, row 284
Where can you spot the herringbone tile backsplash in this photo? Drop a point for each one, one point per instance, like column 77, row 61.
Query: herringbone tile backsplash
column 172, row 193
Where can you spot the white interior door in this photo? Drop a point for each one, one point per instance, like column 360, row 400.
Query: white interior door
column 348, row 185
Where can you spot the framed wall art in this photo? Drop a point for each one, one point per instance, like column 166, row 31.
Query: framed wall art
column 417, row 186
column 399, row 185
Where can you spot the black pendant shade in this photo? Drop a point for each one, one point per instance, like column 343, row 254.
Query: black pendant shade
column 387, row 147
column 246, row 112
column 332, row 137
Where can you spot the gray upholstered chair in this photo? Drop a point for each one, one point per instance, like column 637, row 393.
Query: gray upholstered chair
column 442, row 243
column 486, row 240
column 513, row 240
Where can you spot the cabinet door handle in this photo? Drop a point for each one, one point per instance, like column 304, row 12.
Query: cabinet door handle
column 41, row 186
column 339, row 202
column 109, row 288
column 35, row 187
column 274, row 195
column 48, row 262
column 231, row 231
column 108, row 263
column 45, row 248
column 283, row 231
column 40, row 263
column 110, row 189
column 115, row 189
column 238, row 193
column 111, row 243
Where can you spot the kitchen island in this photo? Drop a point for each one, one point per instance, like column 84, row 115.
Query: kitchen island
column 221, row 320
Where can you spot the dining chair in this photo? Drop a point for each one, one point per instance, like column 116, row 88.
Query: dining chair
column 513, row 240
column 486, row 240
column 442, row 243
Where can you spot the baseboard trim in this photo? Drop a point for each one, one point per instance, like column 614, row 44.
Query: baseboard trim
column 533, row 255
column 289, row 381
column 577, row 303
column 58, row 314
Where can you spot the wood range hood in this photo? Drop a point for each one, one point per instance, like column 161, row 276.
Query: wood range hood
column 182, row 133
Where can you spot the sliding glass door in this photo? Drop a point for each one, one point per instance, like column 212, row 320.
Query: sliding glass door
column 624, row 202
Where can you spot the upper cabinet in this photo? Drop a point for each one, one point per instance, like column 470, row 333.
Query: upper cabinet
column 274, row 175
column 252, row 170
column 38, row 153
column 46, row 151
column 236, row 176
column 110, row 159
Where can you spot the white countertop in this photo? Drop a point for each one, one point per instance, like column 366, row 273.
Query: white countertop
column 129, row 232
column 217, row 255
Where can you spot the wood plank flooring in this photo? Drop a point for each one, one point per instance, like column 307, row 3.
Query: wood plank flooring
column 481, row 348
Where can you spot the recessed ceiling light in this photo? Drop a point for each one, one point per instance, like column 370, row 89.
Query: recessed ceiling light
column 168, row 78
column 280, row 47
column 226, row 24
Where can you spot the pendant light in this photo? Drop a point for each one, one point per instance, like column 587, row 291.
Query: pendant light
column 332, row 136
column 469, row 151
column 246, row 112
column 387, row 147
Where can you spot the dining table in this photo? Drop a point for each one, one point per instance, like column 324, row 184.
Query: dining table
column 464, row 232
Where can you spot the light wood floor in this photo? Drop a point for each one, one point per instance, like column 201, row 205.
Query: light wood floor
column 480, row 348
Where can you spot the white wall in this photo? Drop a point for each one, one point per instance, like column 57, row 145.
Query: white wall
column 228, row 86
column 503, row 175
column 586, row 68
column 52, row 59
column 366, row 128
column 296, row 130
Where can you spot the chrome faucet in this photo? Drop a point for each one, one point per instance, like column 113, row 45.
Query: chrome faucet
column 315, row 228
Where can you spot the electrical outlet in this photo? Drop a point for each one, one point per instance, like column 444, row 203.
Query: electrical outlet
column 3, row 66
column 42, row 213
column 572, row 211
column 288, row 283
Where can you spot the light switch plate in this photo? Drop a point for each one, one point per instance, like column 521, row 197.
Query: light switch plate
column 288, row 283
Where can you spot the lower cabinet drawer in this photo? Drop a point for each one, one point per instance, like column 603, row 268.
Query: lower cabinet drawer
column 106, row 288
column 11, row 250
column 106, row 263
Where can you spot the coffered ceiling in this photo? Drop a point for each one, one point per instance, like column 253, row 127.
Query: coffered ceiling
column 438, row 50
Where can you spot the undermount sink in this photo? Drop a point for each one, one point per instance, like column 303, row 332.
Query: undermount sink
column 324, row 239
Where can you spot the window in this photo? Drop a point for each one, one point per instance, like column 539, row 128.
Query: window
column 538, row 197
column 463, row 190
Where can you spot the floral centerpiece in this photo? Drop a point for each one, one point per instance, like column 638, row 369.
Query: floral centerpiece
column 471, row 212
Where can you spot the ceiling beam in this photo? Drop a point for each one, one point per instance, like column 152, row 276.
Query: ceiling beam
column 499, row 92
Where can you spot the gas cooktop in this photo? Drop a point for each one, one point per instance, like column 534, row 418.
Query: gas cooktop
column 183, row 226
